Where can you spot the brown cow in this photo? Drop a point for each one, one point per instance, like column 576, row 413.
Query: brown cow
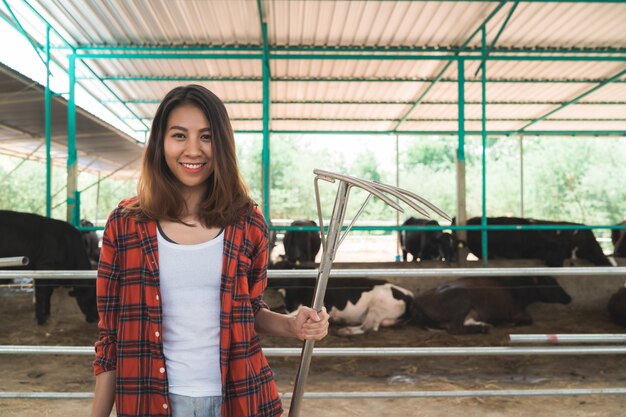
column 475, row 304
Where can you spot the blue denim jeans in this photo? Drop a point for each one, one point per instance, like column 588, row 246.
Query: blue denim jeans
column 183, row 406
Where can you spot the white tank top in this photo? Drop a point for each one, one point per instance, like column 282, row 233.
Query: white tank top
column 190, row 278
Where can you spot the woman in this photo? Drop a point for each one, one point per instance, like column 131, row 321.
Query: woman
column 181, row 275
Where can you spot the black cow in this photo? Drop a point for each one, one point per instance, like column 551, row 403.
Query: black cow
column 426, row 245
column 301, row 247
column 91, row 242
column 475, row 304
column 361, row 304
column 551, row 246
column 618, row 237
column 577, row 243
column 50, row 245
column 617, row 306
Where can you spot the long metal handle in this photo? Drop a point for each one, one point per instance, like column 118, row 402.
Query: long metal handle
column 334, row 231
column 331, row 243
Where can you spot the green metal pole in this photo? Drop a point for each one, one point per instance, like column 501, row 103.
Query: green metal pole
column 483, row 221
column 461, row 193
column 72, row 173
column 266, row 118
column 48, row 109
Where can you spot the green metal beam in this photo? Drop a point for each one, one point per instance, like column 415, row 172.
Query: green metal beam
column 483, row 125
column 73, row 213
column 391, row 102
column 574, row 100
column 171, row 48
column 564, row 133
column 347, row 49
column 181, row 79
column 444, row 69
column 339, row 57
column 48, row 126
column 168, row 56
column 265, row 152
column 449, row 119
column 460, row 153
column 343, row 80
column 491, row 228
column 495, row 39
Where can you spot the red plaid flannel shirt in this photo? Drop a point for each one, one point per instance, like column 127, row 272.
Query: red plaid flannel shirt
column 131, row 316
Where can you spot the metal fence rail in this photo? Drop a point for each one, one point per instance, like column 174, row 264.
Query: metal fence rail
column 377, row 394
column 365, row 351
column 373, row 273
column 385, row 352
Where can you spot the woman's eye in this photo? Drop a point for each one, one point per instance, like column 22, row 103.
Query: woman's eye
column 206, row 138
column 178, row 136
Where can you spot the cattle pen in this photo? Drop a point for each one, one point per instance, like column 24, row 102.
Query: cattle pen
column 424, row 368
column 499, row 112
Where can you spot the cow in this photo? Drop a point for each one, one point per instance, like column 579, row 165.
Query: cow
column 426, row 245
column 91, row 242
column 551, row 246
column 618, row 237
column 617, row 306
column 301, row 246
column 577, row 243
column 476, row 304
column 50, row 245
column 360, row 305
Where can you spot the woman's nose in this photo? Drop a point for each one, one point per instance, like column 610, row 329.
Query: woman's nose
column 192, row 146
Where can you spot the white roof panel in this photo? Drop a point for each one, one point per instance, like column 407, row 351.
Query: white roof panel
column 374, row 91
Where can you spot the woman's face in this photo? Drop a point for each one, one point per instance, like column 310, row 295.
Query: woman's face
column 188, row 147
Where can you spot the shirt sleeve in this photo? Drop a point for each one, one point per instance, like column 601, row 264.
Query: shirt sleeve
column 257, row 280
column 107, row 291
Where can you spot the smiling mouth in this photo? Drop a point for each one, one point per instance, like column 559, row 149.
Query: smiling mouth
column 193, row 166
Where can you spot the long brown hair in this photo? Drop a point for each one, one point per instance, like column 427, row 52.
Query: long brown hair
column 158, row 190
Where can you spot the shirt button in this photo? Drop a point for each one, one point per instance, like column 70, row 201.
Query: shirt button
column 165, row 406
column 162, row 370
column 157, row 334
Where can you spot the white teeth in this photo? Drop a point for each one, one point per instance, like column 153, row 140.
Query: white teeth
column 192, row 166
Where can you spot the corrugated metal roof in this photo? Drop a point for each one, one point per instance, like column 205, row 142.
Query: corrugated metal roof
column 332, row 94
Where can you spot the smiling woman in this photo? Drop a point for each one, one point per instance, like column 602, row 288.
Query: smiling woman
column 188, row 147
column 187, row 258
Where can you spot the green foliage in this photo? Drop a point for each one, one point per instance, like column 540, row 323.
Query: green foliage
column 570, row 179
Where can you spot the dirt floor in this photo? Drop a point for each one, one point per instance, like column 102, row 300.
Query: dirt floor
column 28, row 373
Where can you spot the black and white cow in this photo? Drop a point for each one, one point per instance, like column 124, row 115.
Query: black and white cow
column 359, row 304
column 50, row 245
column 475, row 304
column 426, row 245
column 617, row 306
column 302, row 246
column 551, row 246
column 618, row 237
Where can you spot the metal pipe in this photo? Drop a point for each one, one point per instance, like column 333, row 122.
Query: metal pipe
column 72, row 216
column 48, row 127
column 465, row 393
column 365, row 351
column 483, row 87
column 14, row 261
column 374, row 394
column 568, row 338
column 489, row 227
column 374, row 273
column 330, row 249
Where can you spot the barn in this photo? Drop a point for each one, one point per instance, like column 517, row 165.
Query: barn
column 485, row 108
